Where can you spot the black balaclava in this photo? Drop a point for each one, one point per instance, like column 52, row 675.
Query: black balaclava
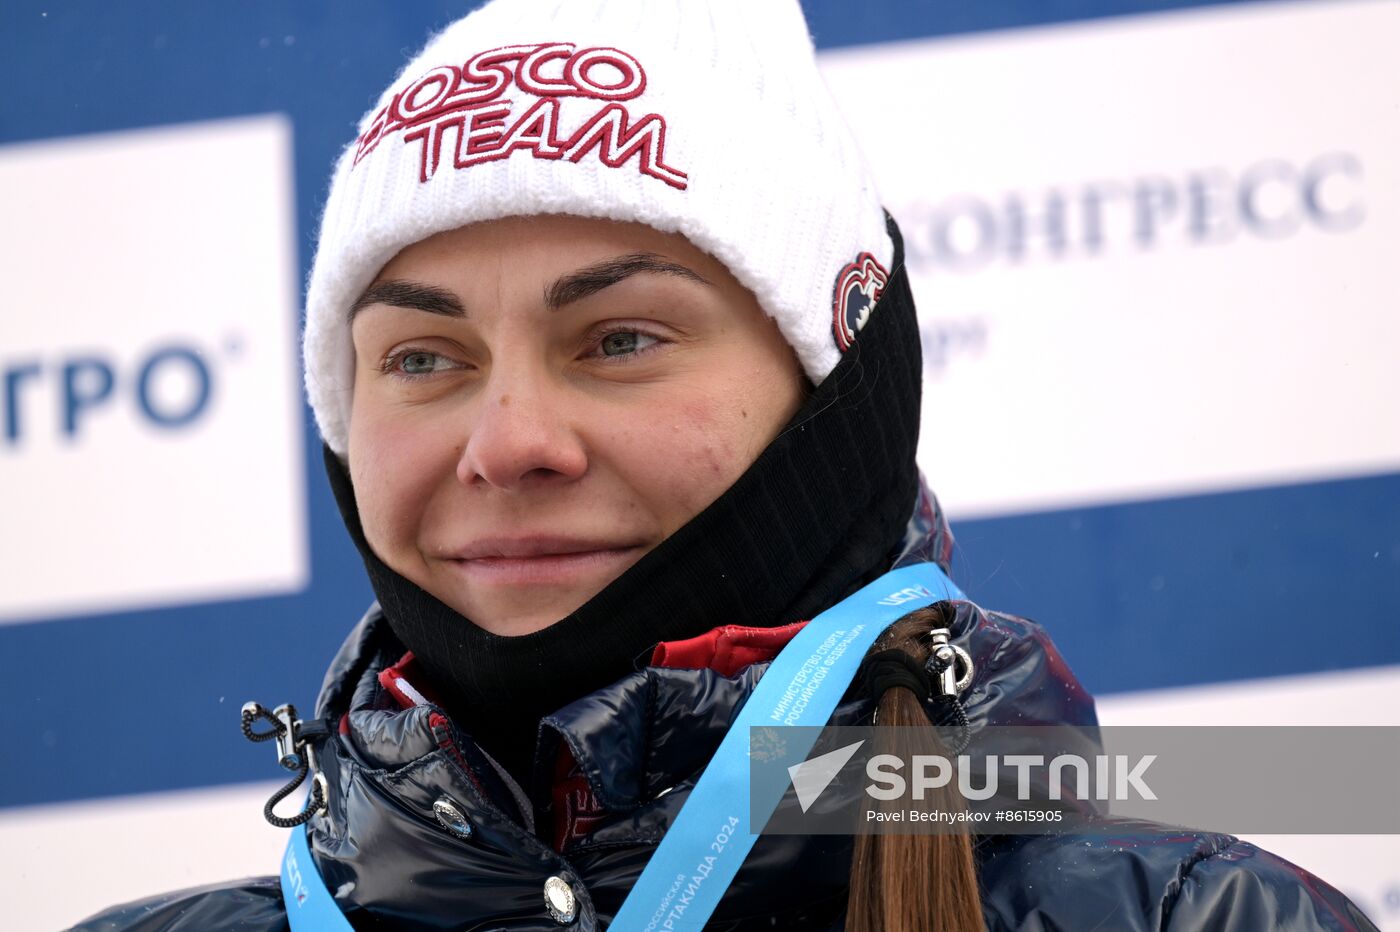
column 821, row 512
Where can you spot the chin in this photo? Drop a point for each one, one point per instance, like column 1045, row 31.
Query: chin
column 517, row 625
column 516, row 621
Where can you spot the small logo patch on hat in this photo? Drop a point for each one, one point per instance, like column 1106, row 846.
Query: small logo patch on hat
column 858, row 287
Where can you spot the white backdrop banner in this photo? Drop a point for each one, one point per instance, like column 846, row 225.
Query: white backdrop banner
column 147, row 368
column 1153, row 256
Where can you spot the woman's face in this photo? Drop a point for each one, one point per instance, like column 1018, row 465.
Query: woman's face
column 540, row 401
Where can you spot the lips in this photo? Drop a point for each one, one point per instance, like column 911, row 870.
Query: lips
column 531, row 547
column 543, row 560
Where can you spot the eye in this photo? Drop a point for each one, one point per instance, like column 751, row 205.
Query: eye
column 626, row 343
column 414, row 363
column 418, row 363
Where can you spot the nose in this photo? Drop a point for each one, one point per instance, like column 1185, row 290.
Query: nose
column 521, row 437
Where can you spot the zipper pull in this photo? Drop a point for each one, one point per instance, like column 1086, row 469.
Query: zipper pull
column 296, row 751
column 943, row 661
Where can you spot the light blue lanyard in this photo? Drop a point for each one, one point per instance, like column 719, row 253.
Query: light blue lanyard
column 686, row 877
column 310, row 906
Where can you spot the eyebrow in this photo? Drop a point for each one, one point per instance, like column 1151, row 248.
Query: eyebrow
column 565, row 290
column 594, row 278
column 413, row 295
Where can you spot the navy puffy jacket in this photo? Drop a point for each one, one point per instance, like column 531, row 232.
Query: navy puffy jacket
column 631, row 752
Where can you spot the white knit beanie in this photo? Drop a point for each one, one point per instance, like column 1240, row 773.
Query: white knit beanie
column 706, row 118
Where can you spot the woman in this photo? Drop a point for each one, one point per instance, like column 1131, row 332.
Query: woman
column 614, row 357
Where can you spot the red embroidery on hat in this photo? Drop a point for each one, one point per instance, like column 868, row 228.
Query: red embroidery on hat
column 858, row 287
column 467, row 107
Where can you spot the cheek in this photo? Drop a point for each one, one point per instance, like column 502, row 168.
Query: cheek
column 710, row 435
column 394, row 472
column 683, row 459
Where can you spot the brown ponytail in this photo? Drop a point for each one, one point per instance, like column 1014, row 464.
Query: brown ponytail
column 913, row 883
